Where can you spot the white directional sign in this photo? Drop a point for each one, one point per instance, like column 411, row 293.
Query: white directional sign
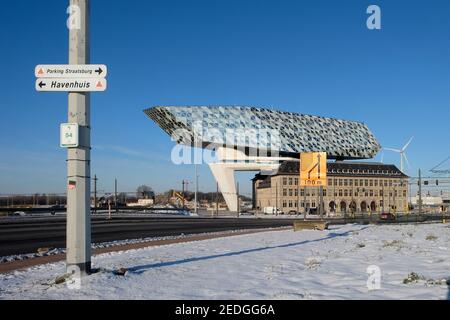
column 71, row 71
column 71, row 85
column 69, row 135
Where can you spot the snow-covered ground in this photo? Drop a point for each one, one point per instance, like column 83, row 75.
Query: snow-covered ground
column 329, row 264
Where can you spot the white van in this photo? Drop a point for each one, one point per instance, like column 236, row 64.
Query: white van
column 272, row 210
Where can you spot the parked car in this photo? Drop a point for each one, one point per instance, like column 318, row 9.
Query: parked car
column 313, row 211
column 272, row 210
column 387, row 216
column 293, row 212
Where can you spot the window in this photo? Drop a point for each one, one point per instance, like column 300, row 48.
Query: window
column 366, row 182
column 345, row 183
column 284, row 192
column 351, row 182
column 404, row 193
column 290, row 203
column 376, row 183
column 302, row 192
column 345, row 193
column 324, row 192
column 371, row 193
column 290, row 181
column 284, row 181
column 296, row 192
column 296, row 181
column 284, row 204
column 340, row 182
column 290, row 192
column 340, row 193
column 371, row 183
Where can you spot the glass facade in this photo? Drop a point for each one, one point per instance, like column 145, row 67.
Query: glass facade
column 266, row 129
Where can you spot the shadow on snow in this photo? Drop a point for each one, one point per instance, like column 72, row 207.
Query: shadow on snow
column 143, row 268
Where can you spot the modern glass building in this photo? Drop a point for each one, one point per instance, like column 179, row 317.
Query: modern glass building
column 260, row 139
column 286, row 133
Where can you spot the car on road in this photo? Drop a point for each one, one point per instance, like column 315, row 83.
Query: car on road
column 387, row 216
column 293, row 212
column 17, row 214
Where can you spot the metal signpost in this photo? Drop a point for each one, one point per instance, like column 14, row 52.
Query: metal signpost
column 78, row 78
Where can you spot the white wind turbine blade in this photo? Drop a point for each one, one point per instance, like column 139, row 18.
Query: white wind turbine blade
column 395, row 150
column 407, row 144
column 382, row 155
column 407, row 161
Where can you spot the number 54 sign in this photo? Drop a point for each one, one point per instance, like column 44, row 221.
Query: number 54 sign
column 69, row 135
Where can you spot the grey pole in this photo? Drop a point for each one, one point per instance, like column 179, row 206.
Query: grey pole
column 115, row 195
column 237, row 196
column 420, row 191
column 217, row 199
column 78, row 159
column 95, row 193
column 196, row 189
column 321, row 202
column 304, row 204
column 276, row 199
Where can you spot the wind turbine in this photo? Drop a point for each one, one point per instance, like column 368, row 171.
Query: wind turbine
column 402, row 153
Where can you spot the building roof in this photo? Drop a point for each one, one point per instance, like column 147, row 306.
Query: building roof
column 287, row 133
column 341, row 168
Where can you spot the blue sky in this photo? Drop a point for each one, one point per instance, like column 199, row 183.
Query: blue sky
column 315, row 57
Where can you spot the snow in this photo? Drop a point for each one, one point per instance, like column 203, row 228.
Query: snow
column 328, row 264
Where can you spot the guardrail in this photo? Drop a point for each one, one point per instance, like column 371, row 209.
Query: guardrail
column 50, row 209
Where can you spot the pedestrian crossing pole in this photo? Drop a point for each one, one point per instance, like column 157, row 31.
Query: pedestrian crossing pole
column 78, row 159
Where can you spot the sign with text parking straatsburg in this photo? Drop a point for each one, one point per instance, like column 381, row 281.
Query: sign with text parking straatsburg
column 71, row 71
column 71, row 78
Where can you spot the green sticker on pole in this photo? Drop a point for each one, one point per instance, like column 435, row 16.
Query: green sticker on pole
column 69, row 133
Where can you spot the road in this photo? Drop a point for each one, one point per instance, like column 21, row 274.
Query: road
column 26, row 235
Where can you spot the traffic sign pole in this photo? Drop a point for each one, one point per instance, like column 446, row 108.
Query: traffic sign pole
column 78, row 253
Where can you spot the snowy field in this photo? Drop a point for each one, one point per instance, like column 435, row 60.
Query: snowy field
column 414, row 261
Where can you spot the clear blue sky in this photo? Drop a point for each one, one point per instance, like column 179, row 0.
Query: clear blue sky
column 314, row 57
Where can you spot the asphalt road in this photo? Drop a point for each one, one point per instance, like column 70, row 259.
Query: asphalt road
column 26, row 235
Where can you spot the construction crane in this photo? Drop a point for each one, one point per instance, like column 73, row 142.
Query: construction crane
column 441, row 171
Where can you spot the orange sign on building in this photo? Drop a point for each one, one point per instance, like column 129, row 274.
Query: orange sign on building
column 313, row 169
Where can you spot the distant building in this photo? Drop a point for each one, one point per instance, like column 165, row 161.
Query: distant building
column 351, row 187
column 428, row 201
column 141, row 203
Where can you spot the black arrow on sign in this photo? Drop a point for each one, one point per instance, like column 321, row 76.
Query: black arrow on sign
column 41, row 84
column 99, row 71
